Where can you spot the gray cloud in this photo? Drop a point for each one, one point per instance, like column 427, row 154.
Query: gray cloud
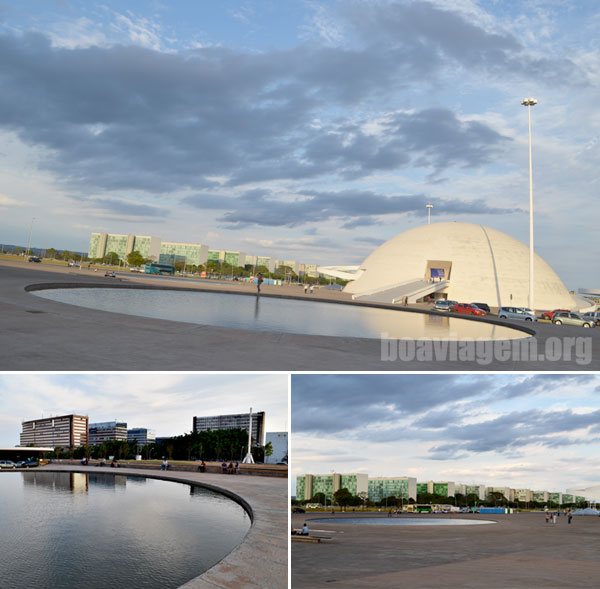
column 359, row 207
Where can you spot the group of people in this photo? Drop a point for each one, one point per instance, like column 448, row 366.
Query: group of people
column 551, row 516
column 230, row 468
column 309, row 288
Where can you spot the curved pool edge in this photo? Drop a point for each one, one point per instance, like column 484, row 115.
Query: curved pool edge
column 75, row 285
column 266, row 541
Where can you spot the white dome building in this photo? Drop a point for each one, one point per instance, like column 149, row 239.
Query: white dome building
column 461, row 262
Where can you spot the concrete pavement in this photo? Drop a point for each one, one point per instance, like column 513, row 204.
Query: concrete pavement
column 38, row 334
column 520, row 551
column 261, row 560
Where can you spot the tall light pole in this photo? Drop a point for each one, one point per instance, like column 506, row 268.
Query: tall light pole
column 29, row 237
column 249, row 459
column 529, row 102
column 429, row 207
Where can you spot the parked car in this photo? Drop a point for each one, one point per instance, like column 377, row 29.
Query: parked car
column 483, row 306
column 298, row 510
column 444, row 305
column 7, row 464
column 570, row 318
column 29, row 463
column 550, row 314
column 593, row 316
column 467, row 309
column 34, row 259
column 519, row 313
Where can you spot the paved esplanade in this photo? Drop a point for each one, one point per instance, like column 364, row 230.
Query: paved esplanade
column 521, row 551
column 39, row 334
column 261, row 560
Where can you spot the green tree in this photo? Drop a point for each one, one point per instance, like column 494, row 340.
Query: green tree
column 135, row 258
column 343, row 497
column 268, row 449
column 51, row 252
column 111, row 258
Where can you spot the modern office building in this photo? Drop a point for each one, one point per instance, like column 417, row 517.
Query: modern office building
column 507, row 492
column 65, row 431
column 523, row 495
column 141, row 435
column 237, row 259
column 539, row 496
column 399, row 487
column 191, row 254
column 234, row 421
column 446, row 488
column 102, row 244
column 466, row 489
column 107, row 431
column 279, row 441
column 555, row 497
column 308, row 485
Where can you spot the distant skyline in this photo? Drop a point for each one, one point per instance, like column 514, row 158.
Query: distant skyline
column 533, row 431
column 306, row 129
column 164, row 403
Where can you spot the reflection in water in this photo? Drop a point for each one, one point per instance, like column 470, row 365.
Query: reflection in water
column 279, row 315
column 403, row 521
column 257, row 307
column 150, row 535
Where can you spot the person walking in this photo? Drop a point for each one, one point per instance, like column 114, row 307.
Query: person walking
column 554, row 517
column 547, row 516
column 259, row 280
column 569, row 516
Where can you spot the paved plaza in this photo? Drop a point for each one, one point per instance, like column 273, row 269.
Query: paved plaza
column 39, row 334
column 520, row 551
column 261, row 560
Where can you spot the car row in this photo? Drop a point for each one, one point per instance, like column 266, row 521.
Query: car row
column 20, row 464
column 557, row 316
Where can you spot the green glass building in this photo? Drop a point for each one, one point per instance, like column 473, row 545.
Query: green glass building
column 400, row 487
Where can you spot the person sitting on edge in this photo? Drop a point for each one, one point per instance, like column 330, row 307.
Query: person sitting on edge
column 305, row 531
column 165, row 464
column 202, row 467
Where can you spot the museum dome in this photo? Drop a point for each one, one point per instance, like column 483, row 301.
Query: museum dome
column 480, row 264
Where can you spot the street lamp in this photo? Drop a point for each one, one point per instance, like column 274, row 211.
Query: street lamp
column 529, row 102
column 429, row 207
column 29, row 237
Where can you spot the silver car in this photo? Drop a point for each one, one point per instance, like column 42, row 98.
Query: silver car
column 7, row 464
column 571, row 319
column 519, row 313
column 444, row 305
column 593, row 316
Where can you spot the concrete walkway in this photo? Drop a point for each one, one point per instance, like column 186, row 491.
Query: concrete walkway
column 521, row 551
column 261, row 560
column 38, row 334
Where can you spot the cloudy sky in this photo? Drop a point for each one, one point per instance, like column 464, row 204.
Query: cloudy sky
column 533, row 431
column 165, row 403
column 307, row 129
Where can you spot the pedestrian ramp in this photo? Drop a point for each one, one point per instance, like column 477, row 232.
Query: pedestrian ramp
column 411, row 291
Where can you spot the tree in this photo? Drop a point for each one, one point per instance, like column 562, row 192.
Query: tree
column 111, row 258
column 135, row 258
column 319, row 498
column 268, row 449
column 51, row 252
column 343, row 497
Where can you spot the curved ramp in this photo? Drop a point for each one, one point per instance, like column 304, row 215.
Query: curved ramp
column 410, row 291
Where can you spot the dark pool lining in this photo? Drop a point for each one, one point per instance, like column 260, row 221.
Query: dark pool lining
column 76, row 285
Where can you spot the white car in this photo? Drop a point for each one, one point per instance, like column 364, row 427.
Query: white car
column 7, row 464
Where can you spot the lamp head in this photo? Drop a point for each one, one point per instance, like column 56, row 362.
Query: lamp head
column 529, row 101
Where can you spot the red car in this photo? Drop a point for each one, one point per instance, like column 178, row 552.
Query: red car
column 550, row 314
column 468, row 309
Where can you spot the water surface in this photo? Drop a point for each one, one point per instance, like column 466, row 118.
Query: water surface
column 278, row 315
column 402, row 521
column 66, row 530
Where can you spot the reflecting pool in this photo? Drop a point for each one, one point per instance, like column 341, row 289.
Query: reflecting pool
column 278, row 315
column 95, row 530
column 401, row 521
